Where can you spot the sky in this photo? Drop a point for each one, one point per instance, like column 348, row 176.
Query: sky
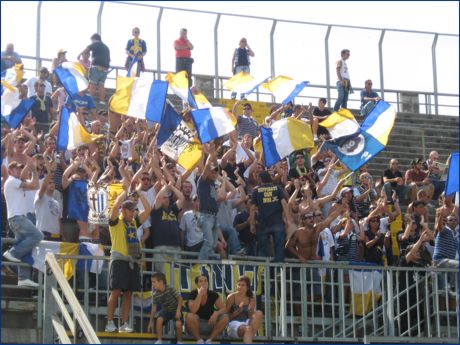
column 299, row 49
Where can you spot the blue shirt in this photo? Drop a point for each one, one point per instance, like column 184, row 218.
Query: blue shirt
column 445, row 245
column 365, row 93
column 85, row 101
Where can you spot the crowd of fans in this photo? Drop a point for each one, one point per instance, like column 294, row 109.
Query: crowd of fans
column 306, row 207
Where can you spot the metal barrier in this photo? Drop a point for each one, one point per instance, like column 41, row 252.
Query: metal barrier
column 56, row 289
column 315, row 301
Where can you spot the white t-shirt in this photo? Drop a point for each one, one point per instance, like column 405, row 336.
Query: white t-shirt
column 29, row 200
column 192, row 232
column 48, row 212
column 328, row 242
column 15, row 197
column 31, row 87
column 344, row 70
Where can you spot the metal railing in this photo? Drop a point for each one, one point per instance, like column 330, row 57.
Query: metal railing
column 57, row 291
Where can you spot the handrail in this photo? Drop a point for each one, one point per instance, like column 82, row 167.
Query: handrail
column 54, row 304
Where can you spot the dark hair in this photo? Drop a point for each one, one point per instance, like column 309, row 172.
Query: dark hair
column 247, row 105
column 417, row 203
column 198, row 277
column 96, row 37
column 265, row 177
column 323, row 100
column 159, row 276
column 344, row 51
column 248, row 284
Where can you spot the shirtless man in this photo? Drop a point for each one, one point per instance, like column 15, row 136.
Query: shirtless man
column 304, row 241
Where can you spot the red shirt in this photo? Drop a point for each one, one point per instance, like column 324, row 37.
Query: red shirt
column 182, row 53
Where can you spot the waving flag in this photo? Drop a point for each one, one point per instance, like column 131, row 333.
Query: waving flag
column 284, row 137
column 71, row 132
column 452, row 184
column 13, row 108
column 285, row 88
column 243, row 83
column 357, row 149
column 212, row 123
column 341, row 123
column 178, row 83
column 37, row 256
column 13, row 75
column 72, row 77
column 177, row 141
column 133, row 67
column 201, row 102
column 365, row 287
column 140, row 98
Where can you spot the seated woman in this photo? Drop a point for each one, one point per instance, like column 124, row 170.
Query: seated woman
column 244, row 318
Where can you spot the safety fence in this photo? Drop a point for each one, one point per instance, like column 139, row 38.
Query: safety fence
column 315, row 301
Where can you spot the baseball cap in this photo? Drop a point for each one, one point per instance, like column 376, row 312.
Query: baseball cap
column 345, row 190
column 62, row 51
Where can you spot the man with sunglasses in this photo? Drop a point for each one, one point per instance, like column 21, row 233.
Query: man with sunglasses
column 245, row 122
column 42, row 109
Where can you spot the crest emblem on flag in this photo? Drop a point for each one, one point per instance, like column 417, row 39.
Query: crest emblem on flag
column 98, row 205
column 353, row 145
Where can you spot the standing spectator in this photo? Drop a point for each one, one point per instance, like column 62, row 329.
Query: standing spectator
column 374, row 241
column 209, row 205
column 365, row 194
column 203, row 318
column 343, row 82
column 245, row 122
column 418, row 179
column 136, row 48
column 184, row 59
column 86, row 102
column 193, row 236
column 242, row 224
column 435, row 173
column 394, row 180
column 124, row 271
column 165, row 232
column 267, row 201
column 10, row 57
column 170, row 302
column 244, row 318
column 240, row 59
column 42, row 109
column 84, row 59
column 43, row 77
column 56, row 62
column 369, row 98
column 100, row 65
column 26, row 234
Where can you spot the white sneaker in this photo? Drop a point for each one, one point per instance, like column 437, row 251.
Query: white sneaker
column 7, row 255
column 159, row 341
column 200, row 341
column 125, row 328
column 27, row 283
column 208, row 341
column 110, row 328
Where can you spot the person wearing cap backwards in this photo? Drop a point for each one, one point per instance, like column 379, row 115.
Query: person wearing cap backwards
column 27, row 236
column 124, row 271
column 418, row 179
column 56, row 62
column 42, row 77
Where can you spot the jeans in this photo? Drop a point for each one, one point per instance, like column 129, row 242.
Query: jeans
column 366, row 108
column 277, row 233
column 237, row 70
column 443, row 276
column 401, row 191
column 27, row 236
column 185, row 64
column 208, row 224
column 342, row 97
column 438, row 187
column 161, row 260
column 231, row 236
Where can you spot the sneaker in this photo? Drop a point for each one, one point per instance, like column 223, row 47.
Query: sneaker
column 110, row 328
column 241, row 252
column 200, row 341
column 159, row 341
column 102, row 103
column 125, row 328
column 7, row 255
column 28, row 283
column 208, row 341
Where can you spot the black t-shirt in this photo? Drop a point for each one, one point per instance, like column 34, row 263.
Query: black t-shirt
column 230, row 170
column 245, row 235
column 389, row 174
column 403, row 244
column 205, row 311
column 100, row 54
column 207, row 193
column 317, row 112
column 42, row 116
column 165, row 228
column 268, row 198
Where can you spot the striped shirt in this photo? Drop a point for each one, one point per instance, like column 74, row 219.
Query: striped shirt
column 167, row 299
column 247, row 125
column 445, row 245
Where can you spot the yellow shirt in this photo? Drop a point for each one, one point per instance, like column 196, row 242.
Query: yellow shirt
column 118, row 234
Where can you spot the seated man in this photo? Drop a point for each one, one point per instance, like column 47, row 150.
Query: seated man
column 435, row 170
column 418, row 179
column 369, row 98
column 393, row 180
column 203, row 318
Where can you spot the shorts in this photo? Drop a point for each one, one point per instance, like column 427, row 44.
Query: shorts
column 205, row 327
column 168, row 316
column 232, row 329
column 122, row 277
column 97, row 75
